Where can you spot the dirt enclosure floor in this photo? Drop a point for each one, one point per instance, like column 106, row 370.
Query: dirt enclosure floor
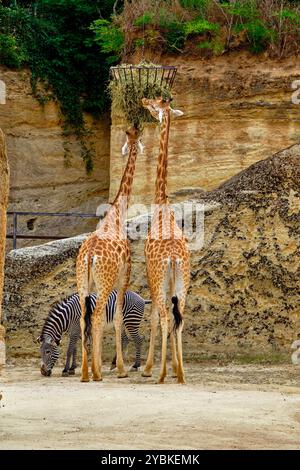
column 221, row 407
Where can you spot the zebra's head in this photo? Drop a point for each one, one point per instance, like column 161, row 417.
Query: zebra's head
column 49, row 354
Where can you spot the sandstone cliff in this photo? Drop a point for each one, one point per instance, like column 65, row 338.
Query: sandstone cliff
column 40, row 182
column 4, row 186
column 237, row 110
column 244, row 295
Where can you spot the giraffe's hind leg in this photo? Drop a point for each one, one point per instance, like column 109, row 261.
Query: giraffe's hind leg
column 83, row 289
column 174, row 353
column 164, row 340
column 154, row 324
column 125, row 341
column 118, row 319
column 98, row 322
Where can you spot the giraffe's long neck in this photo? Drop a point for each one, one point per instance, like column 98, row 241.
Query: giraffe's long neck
column 162, row 165
column 127, row 178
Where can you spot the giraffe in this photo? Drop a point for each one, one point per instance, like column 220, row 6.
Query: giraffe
column 104, row 259
column 167, row 257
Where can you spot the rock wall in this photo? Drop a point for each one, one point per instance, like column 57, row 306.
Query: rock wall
column 244, row 294
column 4, row 186
column 40, row 181
column 237, row 110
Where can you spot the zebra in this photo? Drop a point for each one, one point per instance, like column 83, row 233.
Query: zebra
column 65, row 317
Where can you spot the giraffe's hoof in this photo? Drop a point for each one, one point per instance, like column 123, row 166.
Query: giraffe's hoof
column 181, row 381
column 146, row 374
column 97, row 378
column 72, row 372
column 84, row 379
column 122, row 375
column 65, row 373
column 161, row 380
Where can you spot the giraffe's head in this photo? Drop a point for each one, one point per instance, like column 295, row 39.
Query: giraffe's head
column 158, row 106
column 132, row 138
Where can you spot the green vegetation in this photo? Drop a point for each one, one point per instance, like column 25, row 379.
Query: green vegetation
column 53, row 38
column 69, row 45
column 212, row 26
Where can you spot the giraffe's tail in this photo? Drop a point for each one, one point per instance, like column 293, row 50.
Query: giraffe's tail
column 176, row 313
column 175, row 279
column 87, row 318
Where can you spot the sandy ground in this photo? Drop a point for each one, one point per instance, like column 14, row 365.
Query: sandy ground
column 228, row 407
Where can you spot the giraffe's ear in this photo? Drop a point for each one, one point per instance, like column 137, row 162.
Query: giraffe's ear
column 160, row 115
column 125, row 149
column 176, row 112
column 141, row 146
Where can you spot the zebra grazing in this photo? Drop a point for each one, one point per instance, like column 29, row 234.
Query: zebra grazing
column 65, row 317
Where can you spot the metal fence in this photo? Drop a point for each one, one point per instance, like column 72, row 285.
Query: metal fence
column 15, row 214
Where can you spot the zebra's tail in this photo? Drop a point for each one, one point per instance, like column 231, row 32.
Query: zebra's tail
column 87, row 318
column 176, row 313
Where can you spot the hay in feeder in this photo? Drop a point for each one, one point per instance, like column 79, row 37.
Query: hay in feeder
column 132, row 83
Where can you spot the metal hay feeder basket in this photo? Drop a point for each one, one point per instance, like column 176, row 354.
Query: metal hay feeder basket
column 161, row 75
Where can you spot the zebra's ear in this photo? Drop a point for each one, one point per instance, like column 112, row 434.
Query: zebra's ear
column 38, row 339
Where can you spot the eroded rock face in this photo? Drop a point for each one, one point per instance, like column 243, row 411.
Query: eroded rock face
column 237, row 110
column 4, row 186
column 244, row 294
column 40, row 182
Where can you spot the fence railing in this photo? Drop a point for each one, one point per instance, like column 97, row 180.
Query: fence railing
column 15, row 214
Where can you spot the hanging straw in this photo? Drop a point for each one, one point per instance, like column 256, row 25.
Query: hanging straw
column 131, row 83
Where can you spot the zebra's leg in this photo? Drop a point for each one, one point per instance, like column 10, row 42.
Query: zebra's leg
column 138, row 340
column 125, row 342
column 65, row 372
column 74, row 363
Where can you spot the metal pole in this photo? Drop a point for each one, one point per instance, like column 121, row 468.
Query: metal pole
column 15, row 231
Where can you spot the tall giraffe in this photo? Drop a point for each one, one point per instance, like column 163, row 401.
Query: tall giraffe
column 167, row 257
column 104, row 259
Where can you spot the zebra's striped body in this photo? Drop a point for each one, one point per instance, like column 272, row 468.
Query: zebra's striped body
column 65, row 316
